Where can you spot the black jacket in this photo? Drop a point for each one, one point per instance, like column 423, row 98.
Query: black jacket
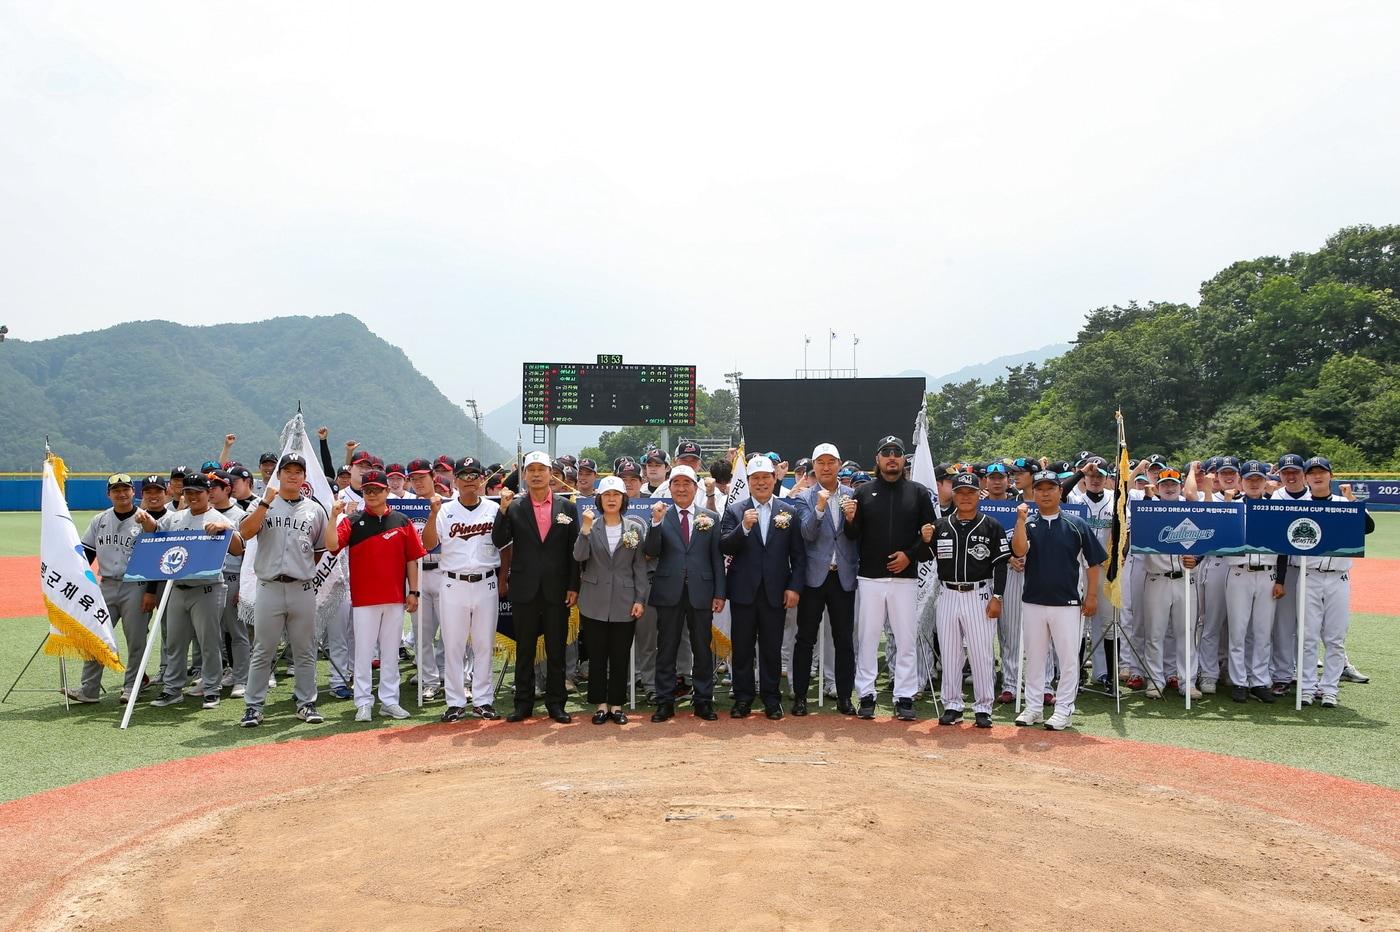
column 888, row 518
column 539, row 567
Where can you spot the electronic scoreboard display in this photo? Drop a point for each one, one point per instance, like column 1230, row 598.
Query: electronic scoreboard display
column 608, row 392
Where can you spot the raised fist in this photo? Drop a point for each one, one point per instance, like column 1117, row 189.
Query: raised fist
column 230, row 438
column 506, row 497
column 588, row 518
column 658, row 511
column 1022, row 512
column 926, row 532
column 848, row 509
column 822, row 497
column 750, row 518
column 351, row 444
column 338, row 508
column 322, row 432
column 435, row 502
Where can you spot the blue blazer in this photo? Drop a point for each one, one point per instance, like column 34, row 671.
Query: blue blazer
column 758, row 567
column 817, row 530
column 699, row 568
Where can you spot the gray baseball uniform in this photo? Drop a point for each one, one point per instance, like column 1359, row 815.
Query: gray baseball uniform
column 194, row 611
column 237, row 632
column 285, row 563
column 112, row 537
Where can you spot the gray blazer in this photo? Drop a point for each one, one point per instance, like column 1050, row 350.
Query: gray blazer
column 611, row 580
column 822, row 538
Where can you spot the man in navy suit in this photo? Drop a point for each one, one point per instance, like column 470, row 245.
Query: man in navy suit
column 830, row 583
column 763, row 535
column 687, row 588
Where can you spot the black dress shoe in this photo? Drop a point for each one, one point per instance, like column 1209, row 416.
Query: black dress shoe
column 741, row 710
column 982, row 720
column 664, row 711
column 845, row 707
column 774, row 713
column 705, row 709
column 867, row 707
column 601, row 717
column 560, row 716
column 950, row 717
column 520, row 714
column 799, row 707
column 619, row 716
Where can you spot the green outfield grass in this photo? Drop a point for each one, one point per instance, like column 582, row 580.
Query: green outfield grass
column 50, row 746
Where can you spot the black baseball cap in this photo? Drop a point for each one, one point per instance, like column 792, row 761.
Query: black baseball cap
column 342, row 471
column 180, row 472
column 395, row 469
column 361, row 456
column 374, row 477
column 966, row 480
column 268, row 457
column 291, row 459
column 688, row 448
column 803, row 465
column 943, row 471
column 587, row 464
column 239, row 472
column 1045, row 475
column 157, row 481
column 419, row 466
column 220, row 476
column 890, row 441
column 655, row 456
column 628, row 468
column 444, row 462
column 568, row 459
column 196, row 482
column 468, row 466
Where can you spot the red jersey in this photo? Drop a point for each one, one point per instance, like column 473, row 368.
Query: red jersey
column 381, row 546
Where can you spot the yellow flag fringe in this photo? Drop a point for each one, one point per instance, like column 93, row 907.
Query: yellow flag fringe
column 76, row 642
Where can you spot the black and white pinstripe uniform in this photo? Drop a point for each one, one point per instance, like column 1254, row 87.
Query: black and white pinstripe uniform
column 971, row 559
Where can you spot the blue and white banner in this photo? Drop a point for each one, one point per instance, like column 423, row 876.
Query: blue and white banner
column 1004, row 510
column 415, row 509
column 1375, row 491
column 183, row 555
column 1185, row 528
column 1302, row 528
column 639, row 508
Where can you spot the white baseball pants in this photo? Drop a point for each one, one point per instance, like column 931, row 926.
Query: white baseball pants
column 1249, row 604
column 1048, row 626
column 1164, row 602
column 1327, row 619
column 892, row 600
column 468, row 618
column 377, row 627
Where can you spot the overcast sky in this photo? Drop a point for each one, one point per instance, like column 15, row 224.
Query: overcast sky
column 679, row 183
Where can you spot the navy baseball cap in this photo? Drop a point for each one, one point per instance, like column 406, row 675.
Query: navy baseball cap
column 860, row 477
column 1212, row 464
column 688, row 448
column 966, row 480
column 157, row 481
column 1318, row 462
column 1045, row 475
column 291, row 459
column 268, row 457
column 1290, row 461
column 890, row 441
column 1254, row 468
column 1228, row 462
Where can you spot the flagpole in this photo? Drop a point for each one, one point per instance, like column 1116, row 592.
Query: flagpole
column 146, row 654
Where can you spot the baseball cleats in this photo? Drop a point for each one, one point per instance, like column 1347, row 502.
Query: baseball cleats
column 1279, row 689
column 904, row 710
column 238, row 691
column 454, row 713
column 950, row 717
column 1173, row 682
column 485, row 711
column 227, row 680
column 430, row 693
column 394, row 710
column 1006, row 697
column 168, row 697
column 75, row 695
column 1240, row 694
column 1263, row 694
column 1153, row 692
column 364, row 713
column 309, row 715
column 1029, row 717
column 342, row 692
column 1136, row 682
column 1352, row 675
column 211, row 701
column 1195, row 693
column 1328, row 702
column 1058, row 722
column 1207, row 687
column 194, row 688
column 867, row 707
column 1049, row 698
column 252, row 718
column 982, row 720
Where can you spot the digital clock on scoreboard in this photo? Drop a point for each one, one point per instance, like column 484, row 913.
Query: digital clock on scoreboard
column 608, row 393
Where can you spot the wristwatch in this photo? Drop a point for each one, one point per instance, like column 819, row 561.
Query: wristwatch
column 414, row 592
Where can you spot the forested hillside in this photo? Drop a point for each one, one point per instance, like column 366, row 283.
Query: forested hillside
column 1296, row 354
column 149, row 394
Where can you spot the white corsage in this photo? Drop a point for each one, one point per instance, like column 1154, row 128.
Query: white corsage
column 704, row 523
column 782, row 519
column 839, row 499
column 631, row 539
column 563, row 519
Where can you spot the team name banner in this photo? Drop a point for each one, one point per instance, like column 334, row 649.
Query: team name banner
column 186, row 555
column 1004, row 510
column 636, row 507
column 415, row 509
column 1186, row 529
column 1386, row 492
column 1301, row 528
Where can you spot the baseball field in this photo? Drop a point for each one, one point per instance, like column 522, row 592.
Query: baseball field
column 1251, row 816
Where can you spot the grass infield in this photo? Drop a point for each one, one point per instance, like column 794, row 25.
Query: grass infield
column 51, row 746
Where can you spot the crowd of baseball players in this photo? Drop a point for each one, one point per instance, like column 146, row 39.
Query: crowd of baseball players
column 813, row 568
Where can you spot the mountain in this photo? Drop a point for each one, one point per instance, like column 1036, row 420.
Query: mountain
column 504, row 421
column 991, row 370
column 145, row 395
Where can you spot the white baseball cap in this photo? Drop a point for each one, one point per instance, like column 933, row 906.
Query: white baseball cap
column 760, row 463
column 538, row 456
column 612, row 484
column 683, row 470
column 826, row 449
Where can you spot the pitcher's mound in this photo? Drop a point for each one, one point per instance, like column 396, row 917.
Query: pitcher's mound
column 752, row 834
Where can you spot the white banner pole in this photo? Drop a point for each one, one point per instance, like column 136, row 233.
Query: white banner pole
column 151, row 633
column 1188, row 676
column 1302, row 606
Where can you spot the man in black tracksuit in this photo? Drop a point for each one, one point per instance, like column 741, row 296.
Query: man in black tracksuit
column 886, row 518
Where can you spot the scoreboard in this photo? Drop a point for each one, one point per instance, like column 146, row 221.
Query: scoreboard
column 608, row 392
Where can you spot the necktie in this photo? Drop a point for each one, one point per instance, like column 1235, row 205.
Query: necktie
column 685, row 526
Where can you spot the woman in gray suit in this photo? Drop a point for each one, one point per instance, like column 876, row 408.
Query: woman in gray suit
column 612, row 595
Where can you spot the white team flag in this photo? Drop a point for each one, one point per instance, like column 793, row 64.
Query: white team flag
column 923, row 474
column 294, row 440
column 721, row 623
column 79, row 625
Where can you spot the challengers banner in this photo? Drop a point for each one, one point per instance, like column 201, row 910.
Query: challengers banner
column 1187, row 528
column 79, row 625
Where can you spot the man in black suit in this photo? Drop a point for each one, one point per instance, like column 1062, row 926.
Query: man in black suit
column 687, row 589
column 543, row 584
column 763, row 535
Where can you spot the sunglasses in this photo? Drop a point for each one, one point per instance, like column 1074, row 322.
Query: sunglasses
column 891, row 451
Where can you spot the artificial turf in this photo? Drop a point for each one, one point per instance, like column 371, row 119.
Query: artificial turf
column 47, row 745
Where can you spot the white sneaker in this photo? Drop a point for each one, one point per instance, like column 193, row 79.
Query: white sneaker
column 238, row 691
column 1152, row 692
column 1195, row 693
column 195, row 688
column 831, row 692
column 1207, row 687
column 364, row 713
column 1029, row 716
column 227, row 681
column 394, row 711
column 1058, row 722
column 272, row 682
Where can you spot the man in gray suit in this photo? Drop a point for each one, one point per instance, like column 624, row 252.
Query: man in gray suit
column 830, row 584
column 687, row 588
